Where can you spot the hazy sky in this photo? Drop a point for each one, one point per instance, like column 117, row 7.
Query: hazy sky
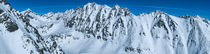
column 173, row 7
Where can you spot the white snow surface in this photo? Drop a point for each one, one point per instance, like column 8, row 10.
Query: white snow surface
column 100, row 29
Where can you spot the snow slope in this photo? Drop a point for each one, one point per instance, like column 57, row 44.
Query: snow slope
column 100, row 29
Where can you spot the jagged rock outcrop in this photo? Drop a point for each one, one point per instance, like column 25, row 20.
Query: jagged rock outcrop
column 100, row 29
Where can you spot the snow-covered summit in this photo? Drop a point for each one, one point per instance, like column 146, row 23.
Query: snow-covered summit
column 100, row 29
column 27, row 11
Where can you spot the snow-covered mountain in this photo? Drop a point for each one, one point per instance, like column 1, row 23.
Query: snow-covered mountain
column 100, row 29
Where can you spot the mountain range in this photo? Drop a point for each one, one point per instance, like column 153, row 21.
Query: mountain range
column 100, row 29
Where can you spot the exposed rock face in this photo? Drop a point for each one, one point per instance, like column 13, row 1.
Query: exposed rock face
column 100, row 29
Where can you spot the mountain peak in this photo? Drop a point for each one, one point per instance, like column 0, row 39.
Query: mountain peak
column 197, row 16
column 27, row 11
column 116, row 6
column 159, row 12
column 90, row 4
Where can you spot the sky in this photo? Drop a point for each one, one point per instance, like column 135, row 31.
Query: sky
column 173, row 7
